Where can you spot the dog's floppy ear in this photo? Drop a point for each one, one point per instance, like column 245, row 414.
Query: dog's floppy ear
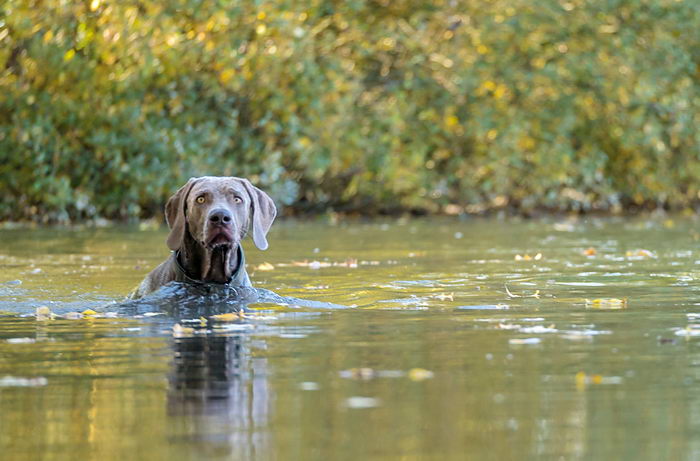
column 263, row 212
column 175, row 214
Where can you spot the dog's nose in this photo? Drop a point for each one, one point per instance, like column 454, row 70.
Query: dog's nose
column 220, row 216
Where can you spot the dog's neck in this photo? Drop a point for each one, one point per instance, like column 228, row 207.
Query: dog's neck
column 208, row 265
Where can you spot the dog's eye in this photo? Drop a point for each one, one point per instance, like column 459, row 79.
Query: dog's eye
column 201, row 199
column 237, row 200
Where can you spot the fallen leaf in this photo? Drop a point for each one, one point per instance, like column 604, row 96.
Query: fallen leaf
column 228, row 317
column 362, row 402
column 607, row 303
column 524, row 341
column 44, row 313
column 179, row 331
column 419, row 374
column 640, row 253
column 589, row 252
column 527, row 257
column 88, row 312
column 582, row 380
column 265, row 267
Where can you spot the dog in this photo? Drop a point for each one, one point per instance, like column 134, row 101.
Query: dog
column 208, row 217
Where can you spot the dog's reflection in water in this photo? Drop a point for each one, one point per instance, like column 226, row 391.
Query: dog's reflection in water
column 219, row 394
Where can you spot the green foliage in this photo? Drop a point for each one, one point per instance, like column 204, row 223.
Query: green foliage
column 107, row 106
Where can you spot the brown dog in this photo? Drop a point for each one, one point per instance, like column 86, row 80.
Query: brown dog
column 208, row 217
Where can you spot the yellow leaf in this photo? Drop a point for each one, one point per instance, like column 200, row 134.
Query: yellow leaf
column 179, row 331
column 228, row 317
column 265, row 267
column 607, row 303
column 226, row 75
column 44, row 313
column 419, row 374
column 88, row 312
column 451, row 121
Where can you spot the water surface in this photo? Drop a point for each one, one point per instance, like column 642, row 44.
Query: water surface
column 474, row 339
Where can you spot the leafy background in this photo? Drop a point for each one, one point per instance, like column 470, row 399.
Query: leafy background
column 368, row 106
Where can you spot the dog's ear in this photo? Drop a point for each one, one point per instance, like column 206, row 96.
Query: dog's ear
column 263, row 212
column 175, row 214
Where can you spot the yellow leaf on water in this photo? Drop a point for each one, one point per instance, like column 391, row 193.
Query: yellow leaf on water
column 419, row 374
column 88, row 312
column 228, row 317
column 607, row 303
column 640, row 253
column 179, row 331
column 44, row 313
column 265, row 267
column 527, row 257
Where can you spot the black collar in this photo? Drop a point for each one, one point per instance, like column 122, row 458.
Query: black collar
column 238, row 277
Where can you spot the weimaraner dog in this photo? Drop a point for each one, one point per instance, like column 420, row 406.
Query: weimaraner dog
column 208, row 217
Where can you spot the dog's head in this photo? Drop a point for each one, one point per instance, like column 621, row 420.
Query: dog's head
column 218, row 211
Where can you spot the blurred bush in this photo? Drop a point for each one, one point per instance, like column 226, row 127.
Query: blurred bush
column 107, row 106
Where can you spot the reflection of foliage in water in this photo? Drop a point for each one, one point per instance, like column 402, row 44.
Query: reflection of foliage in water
column 110, row 105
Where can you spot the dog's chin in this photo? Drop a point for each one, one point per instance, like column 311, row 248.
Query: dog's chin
column 220, row 241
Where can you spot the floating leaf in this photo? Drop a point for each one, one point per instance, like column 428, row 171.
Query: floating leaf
column 179, row 331
column 527, row 257
column 362, row 402
column 607, row 303
column 44, row 313
column 640, row 253
column 524, row 341
column 265, row 267
column 419, row 374
column 228, row 317
column 582, row 380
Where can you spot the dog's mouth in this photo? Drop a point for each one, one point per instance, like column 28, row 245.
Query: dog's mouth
column 219, row 239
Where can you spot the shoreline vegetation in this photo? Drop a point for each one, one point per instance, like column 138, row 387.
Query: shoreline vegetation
column 663, row 216
column 369, row 107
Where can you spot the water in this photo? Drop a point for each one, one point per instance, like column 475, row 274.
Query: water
column 460, row 343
